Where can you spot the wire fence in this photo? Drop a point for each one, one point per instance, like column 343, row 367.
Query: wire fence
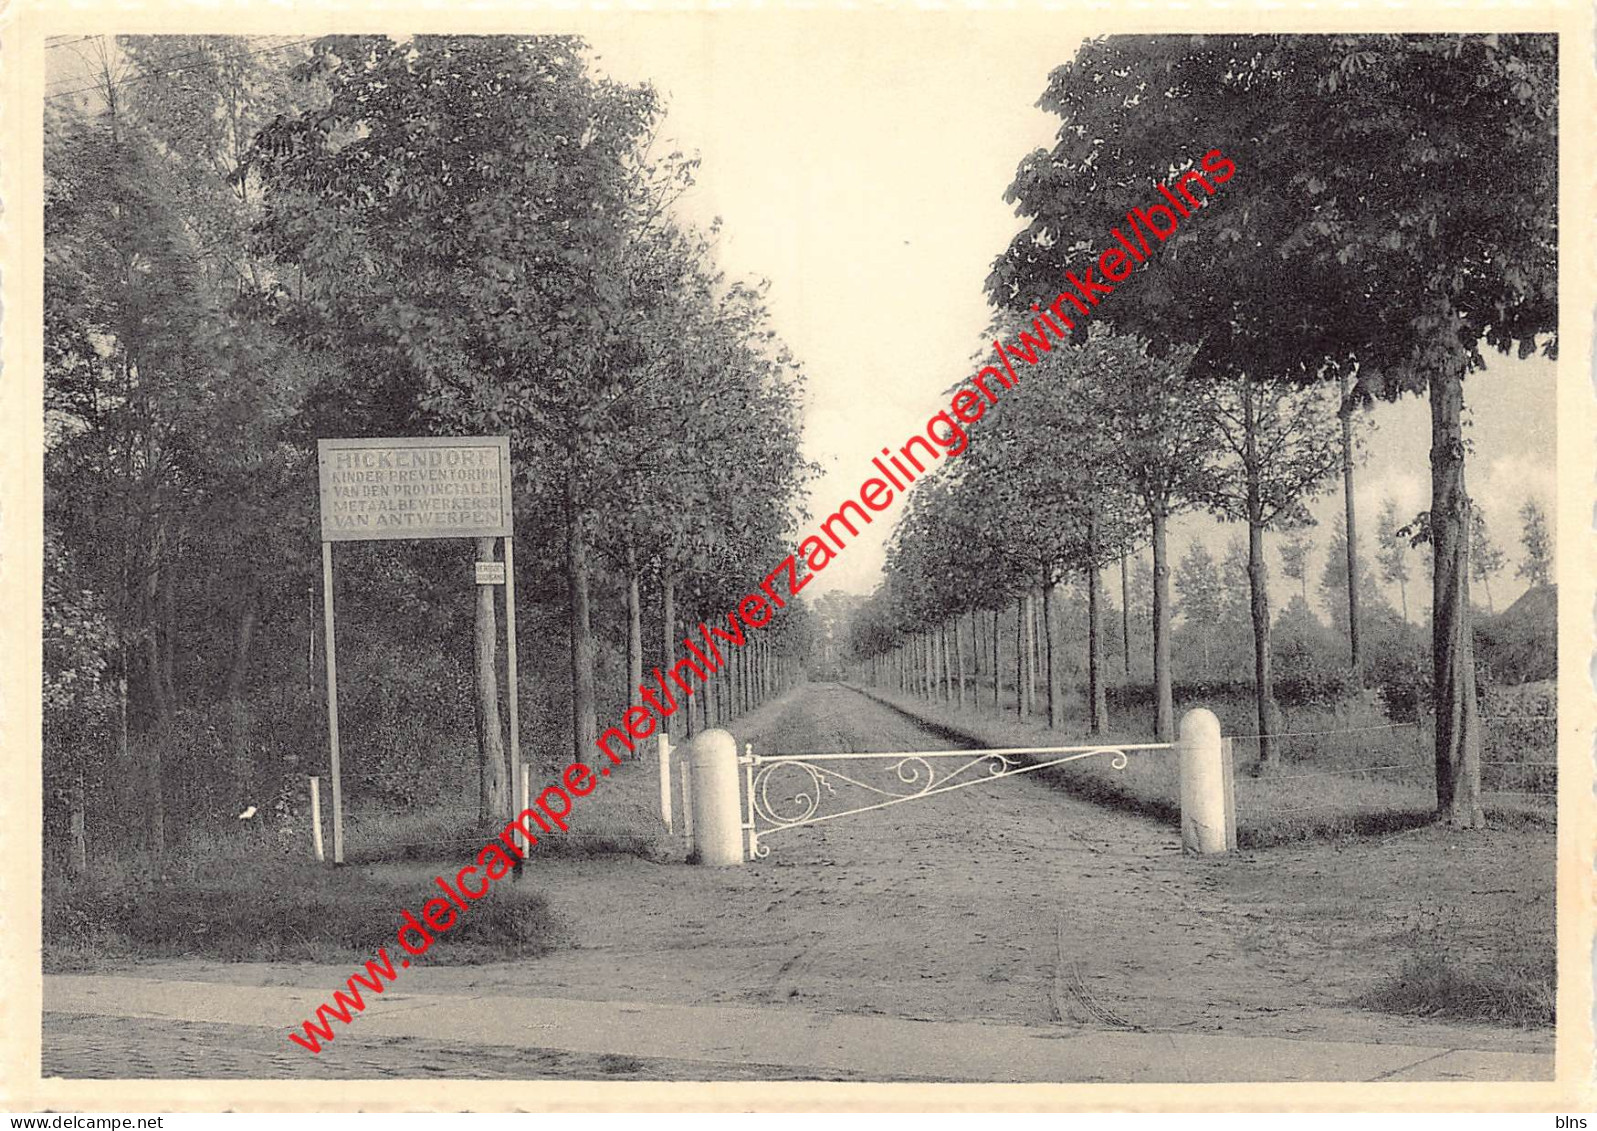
column 1383, row 764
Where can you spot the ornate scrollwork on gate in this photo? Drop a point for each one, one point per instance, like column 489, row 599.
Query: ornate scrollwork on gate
column 790, row 791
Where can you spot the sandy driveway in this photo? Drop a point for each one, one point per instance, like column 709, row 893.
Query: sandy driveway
column 1008, row 902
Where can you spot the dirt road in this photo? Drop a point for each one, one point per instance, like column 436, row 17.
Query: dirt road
column 1008, row 902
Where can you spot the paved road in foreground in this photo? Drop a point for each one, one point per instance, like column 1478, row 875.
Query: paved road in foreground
column 798, row 1042
column 1004, row 932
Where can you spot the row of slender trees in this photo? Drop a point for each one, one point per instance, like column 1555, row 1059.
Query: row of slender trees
column 252, row 244
column 1035, row 644
column 1392, row 217
column 1099, row 447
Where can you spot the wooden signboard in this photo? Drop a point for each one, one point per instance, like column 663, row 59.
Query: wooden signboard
column 415, row 487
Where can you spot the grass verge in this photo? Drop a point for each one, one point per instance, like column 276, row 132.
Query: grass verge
column 270, row 910
column 1291, row 805
column 1438, row 983
column 619, row 818
column 249, row 897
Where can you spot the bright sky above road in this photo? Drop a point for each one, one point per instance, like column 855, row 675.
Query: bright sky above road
column 860, row 165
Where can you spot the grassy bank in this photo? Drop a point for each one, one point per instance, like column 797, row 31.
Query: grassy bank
column 1347, row 787
column 273, row 910
column 1441, row 983
column 256, row 893
column 621, row 817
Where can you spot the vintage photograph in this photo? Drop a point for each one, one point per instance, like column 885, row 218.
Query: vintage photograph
column 908, row 548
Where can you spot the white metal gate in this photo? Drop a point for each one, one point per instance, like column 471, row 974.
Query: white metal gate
column 789, row 791
column 751, row 797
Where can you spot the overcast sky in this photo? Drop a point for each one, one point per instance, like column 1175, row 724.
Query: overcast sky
column 860, row 166
column 862, row 171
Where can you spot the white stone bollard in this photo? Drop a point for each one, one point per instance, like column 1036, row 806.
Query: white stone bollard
column 717, row 817
column 665, row 779
column 1207, row 819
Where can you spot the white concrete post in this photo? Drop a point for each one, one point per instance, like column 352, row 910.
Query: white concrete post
column 717, row 815
column 665, row 779
column 316, row 818
column 1205, row 817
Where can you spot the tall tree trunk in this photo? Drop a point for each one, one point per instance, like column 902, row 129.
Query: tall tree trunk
column 160, row 701
column 668, row 634
column 1402, row 593
column 237, row 715
column 1097, row 697
column 1125, row 614
column 493, row 789
column 1263, row 675
column 155, row 789
column 959, row 656
column 688, row 709
column 584, row 704
column 1019, row 655
column 1458, row 739
column 945, row 667
column 1164, row 699
column 169, row 631
column 1032, row 652
column 1352, row 532
column 949, row 647
column 998, row 678
column 77, row 841
column 634, row 631
column 160, row 733
column 1259, row 579
column 1050, row 647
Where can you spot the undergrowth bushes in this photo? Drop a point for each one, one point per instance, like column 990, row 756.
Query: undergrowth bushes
column 254, row 892
column 236, row 907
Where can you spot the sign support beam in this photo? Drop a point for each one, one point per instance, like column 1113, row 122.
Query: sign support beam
column 332, row 703
column 510, row 664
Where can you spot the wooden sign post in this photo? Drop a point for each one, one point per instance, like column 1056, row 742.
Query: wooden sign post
column 415, row 487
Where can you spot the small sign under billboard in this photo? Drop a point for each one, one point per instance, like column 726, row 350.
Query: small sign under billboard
column 415, row 487
column 490, row 573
